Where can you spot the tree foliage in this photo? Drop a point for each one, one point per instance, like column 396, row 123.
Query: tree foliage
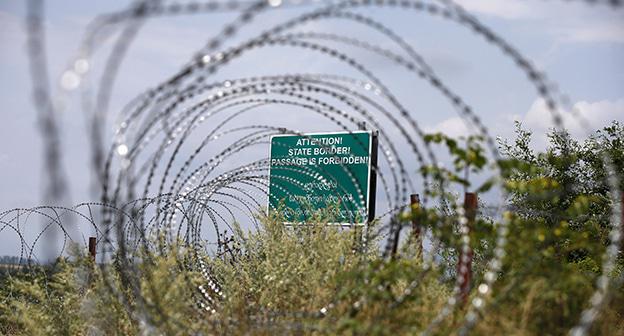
column 314, row 279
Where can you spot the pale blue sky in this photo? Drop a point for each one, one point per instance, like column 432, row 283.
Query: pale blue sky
column 580, row 47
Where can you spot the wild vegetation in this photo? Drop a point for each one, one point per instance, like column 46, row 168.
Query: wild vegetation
column 320, row 280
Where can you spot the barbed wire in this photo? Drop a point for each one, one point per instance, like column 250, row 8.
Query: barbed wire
column 159, row 186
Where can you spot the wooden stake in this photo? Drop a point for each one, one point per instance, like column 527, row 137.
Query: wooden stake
column 464, row 264
column 92, row 243
column 415, row 204
column 622, row 213
column 395, row 243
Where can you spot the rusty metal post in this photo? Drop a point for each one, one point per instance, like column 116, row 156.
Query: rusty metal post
column 416, row 230
column 464, row 264
column 92, row 243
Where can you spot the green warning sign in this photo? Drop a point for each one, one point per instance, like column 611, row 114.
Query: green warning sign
column 322, row 171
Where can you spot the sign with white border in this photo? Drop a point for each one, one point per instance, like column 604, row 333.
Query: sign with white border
column 323, row 173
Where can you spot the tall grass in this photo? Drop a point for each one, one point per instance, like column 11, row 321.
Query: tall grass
column 311, row 279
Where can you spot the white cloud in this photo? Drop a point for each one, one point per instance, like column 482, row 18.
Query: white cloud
column 594, row 32
column 539, row 121
column 453, row 127
column 586, row 118
column 596, row 115
column 502, row 9
column 569, row 23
